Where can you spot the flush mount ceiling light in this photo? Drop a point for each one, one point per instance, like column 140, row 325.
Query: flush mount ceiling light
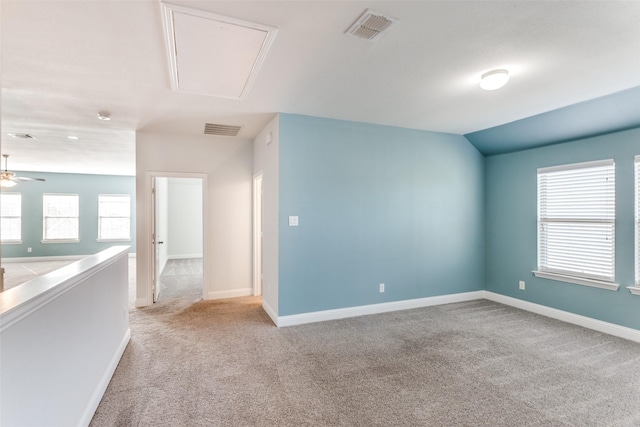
column 211, row 54
column 494, row 79
column 72, row 137
column 104, row 115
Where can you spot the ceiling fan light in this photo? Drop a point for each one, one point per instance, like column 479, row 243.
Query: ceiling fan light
column 494, row 79
column 6, row 183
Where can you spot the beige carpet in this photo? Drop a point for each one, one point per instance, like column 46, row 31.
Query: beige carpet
column 223, row 363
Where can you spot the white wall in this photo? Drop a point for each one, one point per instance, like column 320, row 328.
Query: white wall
column 227, row 163
column 185, row 218
column 266, row 162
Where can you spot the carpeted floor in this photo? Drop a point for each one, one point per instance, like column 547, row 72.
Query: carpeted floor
column 223, row 363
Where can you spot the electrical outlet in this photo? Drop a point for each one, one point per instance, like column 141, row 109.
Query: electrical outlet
column 521, row 285
column 29, row 250
column 381, row 287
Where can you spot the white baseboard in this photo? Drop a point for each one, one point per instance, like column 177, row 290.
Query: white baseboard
column 231, row 293
column 104, row 381
column 44, row 258
column 270, row 311
column 141, row 302
column 185, row 256
column 342, row 313
column 576, row 319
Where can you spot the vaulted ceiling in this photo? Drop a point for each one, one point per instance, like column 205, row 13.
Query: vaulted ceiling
column 64, row 61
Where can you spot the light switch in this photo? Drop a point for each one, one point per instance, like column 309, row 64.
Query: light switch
column 293, row 221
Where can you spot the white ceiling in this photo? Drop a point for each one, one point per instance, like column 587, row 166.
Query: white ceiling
column 63, row 61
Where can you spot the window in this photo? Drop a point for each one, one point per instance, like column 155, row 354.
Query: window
column 114, row 211
column 61, row 217
column 637, row 221
column 11, row 217
column 576, row 223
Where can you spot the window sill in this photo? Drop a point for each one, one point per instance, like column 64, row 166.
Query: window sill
column 635, row 290
column 610, row 286
column 11, row 242
column 112, row 240
column 44, row 242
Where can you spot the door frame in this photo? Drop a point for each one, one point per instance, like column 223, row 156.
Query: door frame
column 258, row 234
column 149, row 179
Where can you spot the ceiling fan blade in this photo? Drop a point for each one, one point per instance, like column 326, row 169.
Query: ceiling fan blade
column 24, row 178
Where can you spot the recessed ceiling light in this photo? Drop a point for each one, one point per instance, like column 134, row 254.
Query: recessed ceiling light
column 72, row 137
column 494, row 79
column 104, row 115
column 22, row 136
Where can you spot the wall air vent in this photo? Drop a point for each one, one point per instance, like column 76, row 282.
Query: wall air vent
column 221, row 130
column 371, row 25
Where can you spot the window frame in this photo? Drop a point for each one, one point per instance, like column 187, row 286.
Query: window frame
column 45, row 217
column 636, row 174
column 586, row 216
column 19, row 217
column 100, row 216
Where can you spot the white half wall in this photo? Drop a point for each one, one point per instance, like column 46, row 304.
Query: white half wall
column 185, row 219
column 228, row 165
column 62, row 335
column 266, row 160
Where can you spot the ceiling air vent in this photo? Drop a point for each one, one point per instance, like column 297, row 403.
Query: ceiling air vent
column 221, row 130
column 371, row 25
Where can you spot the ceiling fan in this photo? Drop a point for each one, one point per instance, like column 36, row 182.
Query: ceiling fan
column 9, row 179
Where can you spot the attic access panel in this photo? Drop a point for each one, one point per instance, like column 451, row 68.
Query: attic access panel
column 211, row 54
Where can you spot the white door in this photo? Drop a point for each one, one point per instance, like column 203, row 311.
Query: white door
column 155, row 246
column 258, row 234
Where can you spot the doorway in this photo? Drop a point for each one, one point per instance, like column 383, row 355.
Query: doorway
column 178, row 238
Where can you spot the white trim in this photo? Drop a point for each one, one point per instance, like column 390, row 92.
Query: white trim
column 46, row 242
column 577, row 280
column 185, row 256
column 231, row 293
column 572, row 166
column 342, row 313
column 576, row 319
column 141, row 302
column 635, row 290
column 11, row 242
column 44, row 258
column 101, row 387
column 270, row 312
column 257, row 232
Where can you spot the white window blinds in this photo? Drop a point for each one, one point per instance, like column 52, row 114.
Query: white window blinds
column 576, row 220
column 637, row 163
column 61, row 216
column 10, row 217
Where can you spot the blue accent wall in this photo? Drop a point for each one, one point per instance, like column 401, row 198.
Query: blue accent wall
column 88, row 187
column 376, row 204
column 511, row 230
